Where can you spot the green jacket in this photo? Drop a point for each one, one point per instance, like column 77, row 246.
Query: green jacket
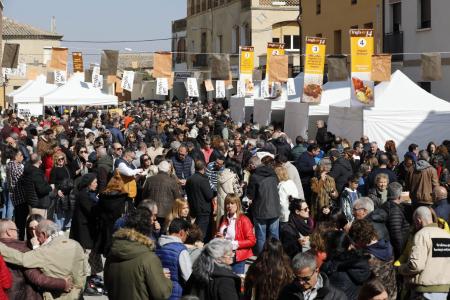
column 132, row 269
column 60, row 258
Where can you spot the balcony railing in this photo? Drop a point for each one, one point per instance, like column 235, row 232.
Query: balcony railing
column 393, row 43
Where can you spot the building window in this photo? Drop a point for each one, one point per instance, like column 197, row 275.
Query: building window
column 426, row 85
column 424, row 14
column 318, row 7
column 337, row 42
column 181, row 49
column 368, row 25
column 275, row 40
column 204, row 5
column 203, row 43
column 235, row 39
column 396, row 16
column 354, row 2
column 291, row 42
column 219, row 44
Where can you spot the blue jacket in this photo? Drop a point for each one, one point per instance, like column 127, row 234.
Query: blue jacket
column 442, row 209
column 169, row 256
column 117, row 135
column 305, row 164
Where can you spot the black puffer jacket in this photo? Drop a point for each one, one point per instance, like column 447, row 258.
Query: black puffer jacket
column 348, row 271
column 341, row 171
column 397, row 225
column 378, row 218
column 263, row 191
column 327, row 292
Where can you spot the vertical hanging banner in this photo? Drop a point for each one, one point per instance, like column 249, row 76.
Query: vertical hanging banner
column 314, row 69
column 246, row 66
column 220, row 89
column 208, row 85
column 59, row 59
column 77, row 61
column 192, row 87
column 362, row 49
column 10, row 55
column 97, row 81
column 162, row 65
column 127, row 81
column 273, row 49
column 162, row 86
column 109, row 62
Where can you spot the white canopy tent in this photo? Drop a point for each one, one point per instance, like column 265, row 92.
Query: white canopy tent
column 76, row 92
column 403, row 112
column 32, row 91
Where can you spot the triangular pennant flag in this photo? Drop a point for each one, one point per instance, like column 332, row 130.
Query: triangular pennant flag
column 192, row 87
column 208, row 85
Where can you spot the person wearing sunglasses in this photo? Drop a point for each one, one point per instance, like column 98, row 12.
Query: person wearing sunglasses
column 295, row 233
column 309, row 283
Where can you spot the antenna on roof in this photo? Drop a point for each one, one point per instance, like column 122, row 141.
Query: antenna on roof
column 53, row 25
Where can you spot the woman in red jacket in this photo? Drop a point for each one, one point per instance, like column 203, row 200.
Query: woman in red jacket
column 5, row 279
column 236, row 227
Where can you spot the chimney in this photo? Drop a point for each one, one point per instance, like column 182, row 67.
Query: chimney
column 53, row 25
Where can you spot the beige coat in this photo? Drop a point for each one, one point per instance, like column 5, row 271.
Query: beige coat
column 429, row 271
column 227, row 183
column 60, row 258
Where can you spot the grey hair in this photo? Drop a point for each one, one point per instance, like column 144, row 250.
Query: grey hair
column 48, row 227
column 395, row 190
column 149, row 204
column 326, row 162
column 64, row 142
column 423, row 213
column 382, row 176
column 255, row 161
column 366, row 203
column 304, row 260
column 204, row 265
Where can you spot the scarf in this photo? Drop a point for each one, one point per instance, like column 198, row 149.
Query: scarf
column 304, row 227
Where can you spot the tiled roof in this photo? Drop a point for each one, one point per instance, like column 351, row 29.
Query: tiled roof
column 15, row 30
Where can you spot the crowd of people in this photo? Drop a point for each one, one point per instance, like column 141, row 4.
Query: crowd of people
column 176, row 201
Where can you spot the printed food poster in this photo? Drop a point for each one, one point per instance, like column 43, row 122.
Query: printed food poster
column 273, row 49
column 246, row 66
column 314, row 69
column 362, row 49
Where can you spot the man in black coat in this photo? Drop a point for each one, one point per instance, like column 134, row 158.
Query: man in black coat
column 306, row 165
column 309, row 283
column 200, row 197
column 383, row 168
column 364, row 208
column 262, row 192
column 396, row 222
column 323, row 137
column 342, row 168
column 36, row 188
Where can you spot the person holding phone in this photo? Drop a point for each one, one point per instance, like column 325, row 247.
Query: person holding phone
column 237, row 228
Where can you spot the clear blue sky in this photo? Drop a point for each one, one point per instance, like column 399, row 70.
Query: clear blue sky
column 102, row 20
